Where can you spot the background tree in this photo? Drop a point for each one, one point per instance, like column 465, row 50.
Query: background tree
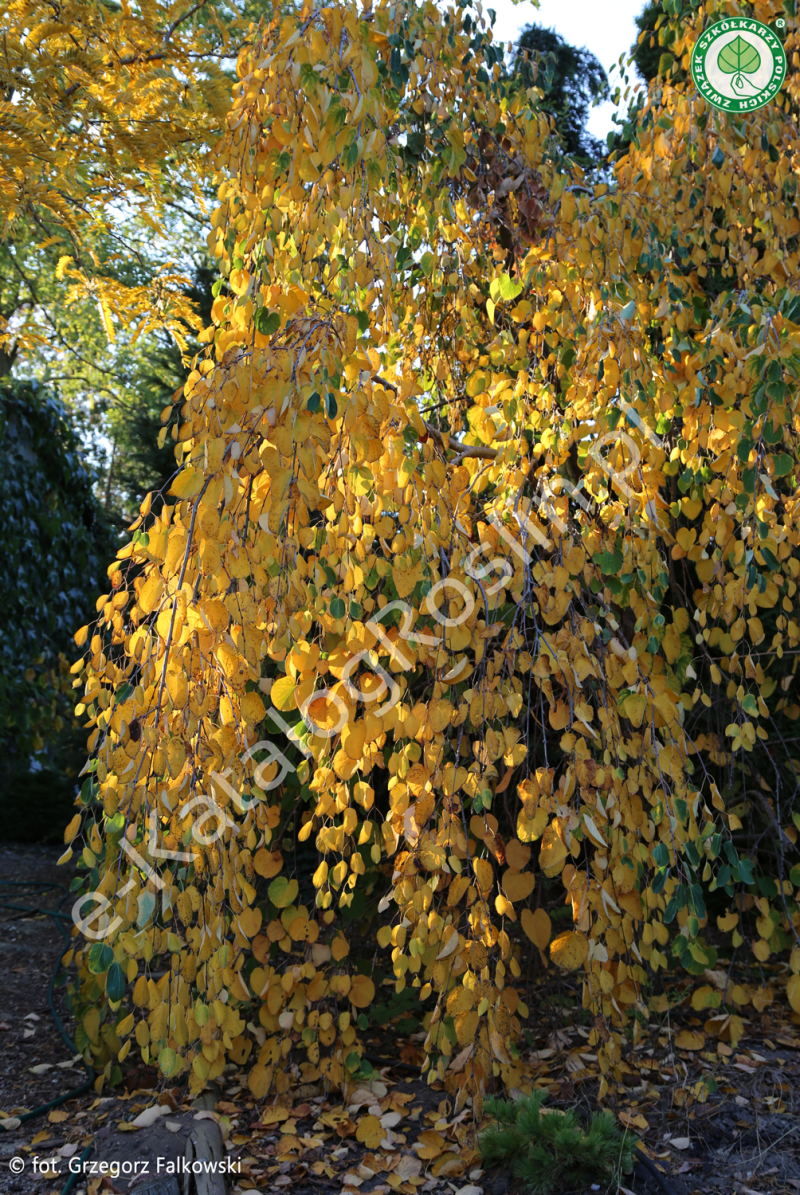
column 101, row 115
column 571, row 80
column 142, row 456
column 101, row 111
column 55, row 541
column 647, row 51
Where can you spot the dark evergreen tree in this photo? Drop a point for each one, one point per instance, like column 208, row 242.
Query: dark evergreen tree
column 647, row 51
column 571, row 80
column 140, row 464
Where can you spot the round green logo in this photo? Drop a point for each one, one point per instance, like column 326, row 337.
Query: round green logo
column 738, row 64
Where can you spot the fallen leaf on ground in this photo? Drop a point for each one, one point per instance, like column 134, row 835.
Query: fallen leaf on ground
column 687, row 1040
column 370, row 1132
column 633, row 1120
column 149, row 1116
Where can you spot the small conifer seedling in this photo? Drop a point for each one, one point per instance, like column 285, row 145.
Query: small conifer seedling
column 550, row 1150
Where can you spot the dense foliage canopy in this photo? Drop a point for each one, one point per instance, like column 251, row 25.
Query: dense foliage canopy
column 477, row 583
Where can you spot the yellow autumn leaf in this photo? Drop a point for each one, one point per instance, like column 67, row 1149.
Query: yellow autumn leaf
column 282, row 693
column 537, row 926
column 362, row 991
column 252, row 708
column 518, row 885
column 370, row 1132
column 188, row 483
column 517, row 855
column 793, row 992
column 728, row 922
column 553, row 852
column 249, row 921
column 484, row 874
column 353, row 736
column 570, row 950
column 268, row 863
column 687, row 1039
column 73, row 828
column 634, row 708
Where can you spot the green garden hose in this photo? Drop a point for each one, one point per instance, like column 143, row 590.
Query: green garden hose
column 59, row 918
column 73, row 1178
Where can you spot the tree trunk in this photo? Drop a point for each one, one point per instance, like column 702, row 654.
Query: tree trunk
column 7, row 359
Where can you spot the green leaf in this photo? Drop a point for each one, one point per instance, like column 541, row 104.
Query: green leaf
column 338, row 608
column 363, row 320
column 770, row 559
column 718, row 157
column 168, row 1061
column 661, row 855
column 746, row 870
column 628, row 310
column 660, row 881
column 743, row 450
column 665, row 64
column 783, row 464
column 100, row 958
column 698, row 954
column 331, row 407
column 314, row 402
column 739, row 57
column 692, row 854
column 609, row 562
column 115, row 982
column 267, row 322
column 282, row 891
column 147, row 903
column 308, row 76
column 504, row 288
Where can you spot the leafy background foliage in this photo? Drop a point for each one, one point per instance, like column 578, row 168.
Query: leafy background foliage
column 56, row 540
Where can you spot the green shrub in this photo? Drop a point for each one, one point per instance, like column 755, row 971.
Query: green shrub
column 550, row 1150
